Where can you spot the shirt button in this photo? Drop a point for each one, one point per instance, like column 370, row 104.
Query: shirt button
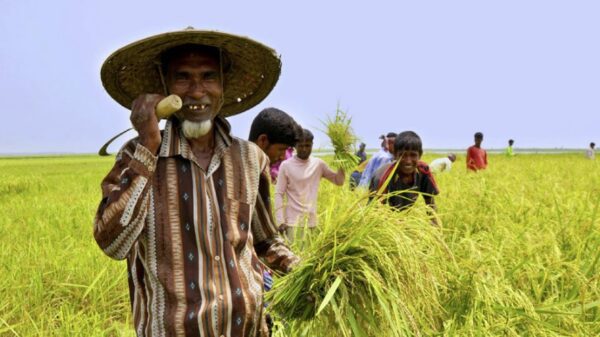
column 220, row 297
column 217, row 258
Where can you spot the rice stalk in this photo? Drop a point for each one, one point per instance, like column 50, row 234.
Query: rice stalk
column 342, row 137
column 364, row 273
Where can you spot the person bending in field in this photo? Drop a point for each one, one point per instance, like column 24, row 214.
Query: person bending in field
column 297, row 188
column 444, row 164
column 407, row 176
column 275, row 132
column 476, row 156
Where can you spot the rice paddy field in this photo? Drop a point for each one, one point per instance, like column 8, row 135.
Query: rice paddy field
column 517, row 254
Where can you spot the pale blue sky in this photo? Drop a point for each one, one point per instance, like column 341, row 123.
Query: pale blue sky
column 528, row 70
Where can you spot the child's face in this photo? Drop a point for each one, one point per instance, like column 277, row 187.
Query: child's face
column 304, row 148
column 408, row 161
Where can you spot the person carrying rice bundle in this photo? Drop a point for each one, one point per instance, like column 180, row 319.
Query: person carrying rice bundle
column 401, row 182
column 298, row 186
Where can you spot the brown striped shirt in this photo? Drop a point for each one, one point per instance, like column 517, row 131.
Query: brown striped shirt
column 192, row 238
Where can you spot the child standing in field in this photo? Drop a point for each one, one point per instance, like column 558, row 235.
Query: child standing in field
column 408, row 176
column 476, row 156
column 298, row 184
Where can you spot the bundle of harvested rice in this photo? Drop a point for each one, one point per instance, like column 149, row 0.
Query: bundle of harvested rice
column 367, row 271
column 342, row 137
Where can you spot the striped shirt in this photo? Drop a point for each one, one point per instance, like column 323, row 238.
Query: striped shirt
column 192, row 238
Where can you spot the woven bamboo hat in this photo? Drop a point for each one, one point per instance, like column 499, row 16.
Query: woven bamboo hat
column 135, row 69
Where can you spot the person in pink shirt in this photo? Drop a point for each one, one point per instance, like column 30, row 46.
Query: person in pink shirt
column 297, row 188
column 476, row 156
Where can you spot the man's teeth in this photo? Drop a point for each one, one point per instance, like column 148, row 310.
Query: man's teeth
column 196, row 107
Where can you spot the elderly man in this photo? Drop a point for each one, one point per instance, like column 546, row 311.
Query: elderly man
column 189, row 206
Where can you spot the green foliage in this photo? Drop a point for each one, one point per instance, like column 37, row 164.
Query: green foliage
column 522, row 257
column 367, row 270
column 516, row 255
column 55, row 280
column 342, row 138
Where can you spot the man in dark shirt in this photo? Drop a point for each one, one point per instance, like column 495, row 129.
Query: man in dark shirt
column 361, row 154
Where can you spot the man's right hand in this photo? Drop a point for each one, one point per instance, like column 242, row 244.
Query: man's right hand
column 144, row 121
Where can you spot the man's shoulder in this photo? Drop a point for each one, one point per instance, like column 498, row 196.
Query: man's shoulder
column 248, row 149
column 287, row 163
column 244, row 144
column 317, row 161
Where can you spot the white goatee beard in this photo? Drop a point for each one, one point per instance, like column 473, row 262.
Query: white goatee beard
column 196, row 129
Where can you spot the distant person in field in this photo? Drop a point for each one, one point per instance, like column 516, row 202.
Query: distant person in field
column 408, row 174
column 383, row 156
column 297, row 188
column 362, row 163
column 509, row 150
column 275, row 132
column 476, row 156
column 356, row 174
column 361, row 154
column 591, row 152
column 442, row 164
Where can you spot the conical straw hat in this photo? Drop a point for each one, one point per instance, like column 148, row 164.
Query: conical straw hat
column 252, row 73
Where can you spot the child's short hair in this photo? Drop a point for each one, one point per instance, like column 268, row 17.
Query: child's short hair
column 478, row 135
column 307, row 135
column 592, row 144
column 408, row 140
column 511, row 142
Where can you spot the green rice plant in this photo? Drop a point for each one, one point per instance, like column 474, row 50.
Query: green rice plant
column 342, row 137
column 365, row 272
column 516, row 255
